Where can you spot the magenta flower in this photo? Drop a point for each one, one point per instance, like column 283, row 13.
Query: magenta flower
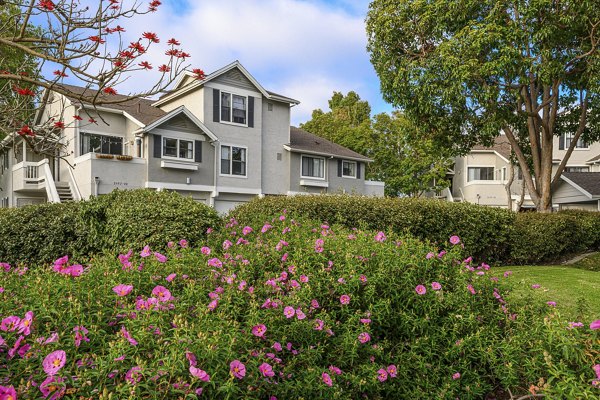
column 54, row 362
column 162, row 293
column 8, row 393
column 595, row 325
column 314, row 303
column 74, row 270
column 134, row 375
column 380, row 237
column 429, row 255
column 213, row 305
column 551, row 303
column 345, row 299
column 318, row 325
column 289, row 312
column 9, row 324
column 52, row 387
column 145, row 252
column 215, row 262
column 363, row 279
column 266, row 370
column 200, row 374
column 536, row 286
column 184, row 243
column 265, row 228
column 237, row 369
column 326, row 379
column 122, row 290
column 507, row 274
column 364, row 337
column 171, row 277
column 205, row 250
column 80, row 335
column 128, row 336
column 454, row 240
column 456, row 376
column 161, row 258
column 382, row 375
column 246, row 230
column 436, row 285
column 420, row 289
column 471, row 289
column 392, row 370
column 25, row 324
column 300, row 314
column 335, row 370
column 259, row 330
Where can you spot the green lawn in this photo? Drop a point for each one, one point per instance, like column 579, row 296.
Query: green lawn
column 574, row 288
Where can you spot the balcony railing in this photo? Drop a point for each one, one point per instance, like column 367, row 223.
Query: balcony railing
column 29, row 175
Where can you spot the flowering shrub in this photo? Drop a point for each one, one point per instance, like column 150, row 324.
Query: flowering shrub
column 293, row 309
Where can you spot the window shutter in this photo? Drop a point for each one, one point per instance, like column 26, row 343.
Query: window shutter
column 250, row 112
column 340, row 167
column 216, row 108
column 358, row 170
column 561, row 142
column 157, row 146
column 198, row 150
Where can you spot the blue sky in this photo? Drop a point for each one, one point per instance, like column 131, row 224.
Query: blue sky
column 304, row 49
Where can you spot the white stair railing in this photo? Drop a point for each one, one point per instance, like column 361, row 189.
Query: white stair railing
column 49, row 180
column 73, row 185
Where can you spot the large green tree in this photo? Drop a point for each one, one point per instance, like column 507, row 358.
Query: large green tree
column 467, row 70
column 408, row 163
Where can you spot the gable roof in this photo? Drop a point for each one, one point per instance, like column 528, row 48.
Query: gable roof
column 593, row 160
column 302, row 141
column 501, row 146
column 138, row 108
column 586, row 182
column 180, row 110
column 180, row 89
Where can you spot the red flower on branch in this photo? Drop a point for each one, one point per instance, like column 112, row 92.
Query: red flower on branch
column 198, row 73
column 127, row 54
column 154, row 5
column 137, row 47
column 182, row 54
column 60, row 73
column 23, row 91
column 109, row 90
column 173, row 42
column 92, row 120
column 145, row 65
column 59, row 124
column 46, row 5
column 164, row 68
column 151, row 36
column 97, row 39
column 119, row 64
column 25, row 130
column 172, row 52
column 77, row 117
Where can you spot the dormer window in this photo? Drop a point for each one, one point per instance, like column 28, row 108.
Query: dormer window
column 233, row 108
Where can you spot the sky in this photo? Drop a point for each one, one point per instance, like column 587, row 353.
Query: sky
column 303, row 49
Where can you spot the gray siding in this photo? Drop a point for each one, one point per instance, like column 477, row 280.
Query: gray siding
column 565, row 193
column 276, row 133
column 336, row 184
column 236, row 79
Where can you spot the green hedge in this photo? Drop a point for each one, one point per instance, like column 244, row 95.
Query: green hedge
column 484, row 231
column 115, row 222
column 489, row 234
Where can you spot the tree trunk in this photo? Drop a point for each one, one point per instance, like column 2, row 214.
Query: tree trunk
column 511, row 178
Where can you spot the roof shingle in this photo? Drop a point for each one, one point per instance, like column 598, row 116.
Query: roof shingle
column 501, row 146
column 588, row 181
column 300, row 141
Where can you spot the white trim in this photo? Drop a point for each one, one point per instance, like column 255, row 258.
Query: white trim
column 375, row 183
column 576, row 186
column 228, row 89
column 231, row 175
column 355, row 169
column 179, row 165
column 322, row 154
column 314, row 177
column 113, row 111
column 85, row 131
column 489, row 152
column 179, row 186
column 233, row 189
column 88, row 156
column 175, row 112
column 177, row 158
column 310, row 182
column 231, row 94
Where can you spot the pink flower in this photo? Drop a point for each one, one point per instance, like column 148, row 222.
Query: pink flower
column 363, row 279
column 380, row 237
column 265, row 228
column 266, row 370
column 456, row 376
column 289, row 312
column 392, row 370
column 596, row 369
column 471, row 289
column 326, row 379
column 54, row 362
column 237, row 369
column 300, row 314
column 215, row 262
column 25, row 324
column 259, row 330
column 205, row 250
column 161, row 258
column 51, row 386
column 536, row 286
column 345, row 299
column 318, row 325
column 227, row 244
column 9, row 324
column 145, row 252
column 213, row 305
column 436, row 285
column 128, row 336
column 8, row 393
column 551, row 303
column 171, row 277
column 507, row 274
column 382, row 375
column 595, row 325
column 420, row 289
column 200, row 374
column 183, row 243
column 454, row 240
column 134, row 375
column 314, row 303
column 162, row 293
column 246, row 230
column 364, row 337
column 277, row 346
column 429, row 255
column 80, row 335
column 335, row 370
column 122, row 290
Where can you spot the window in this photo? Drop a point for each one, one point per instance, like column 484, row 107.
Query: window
column 504, row 176
column 270, row 106
column 313, row 167
column 577, row 169
column 178, row 148
column 93, row 143
column 348, row 169
column 233, row 160
column 580, row 143
column 233, row 108
column 480, row 174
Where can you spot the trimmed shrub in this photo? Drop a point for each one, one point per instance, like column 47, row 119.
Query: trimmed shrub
column 310, row 310
column 485, row 231
column 40, row 234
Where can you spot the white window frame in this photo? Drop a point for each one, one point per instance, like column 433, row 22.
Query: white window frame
column 230, row 174
column 569, row 137
column 231, row 94
column 162, row 149
column 89, row 132
column 313, row 177
column 355, row 169
column 577, row 166
column 481, row 180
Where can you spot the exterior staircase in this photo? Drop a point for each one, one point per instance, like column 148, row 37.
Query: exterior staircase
column 64, row 191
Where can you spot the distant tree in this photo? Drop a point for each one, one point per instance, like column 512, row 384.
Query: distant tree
column 409, row 164
column 467, row 70
column 43, row 42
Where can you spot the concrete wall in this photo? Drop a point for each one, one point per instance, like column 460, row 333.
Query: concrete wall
column 275, row 134
column 193, row 101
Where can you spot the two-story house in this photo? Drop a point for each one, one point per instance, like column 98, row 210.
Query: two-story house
column 481, row 176
column 222, row 140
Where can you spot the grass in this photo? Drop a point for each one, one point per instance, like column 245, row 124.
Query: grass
column 575, row 288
